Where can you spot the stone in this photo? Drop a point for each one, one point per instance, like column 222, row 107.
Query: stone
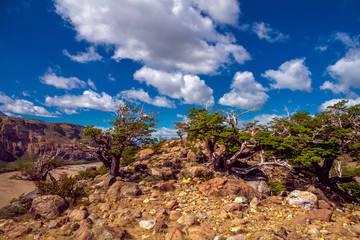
column 54, row 224
column 84, row 231
column 234, row 206
column 188, row 220
column 356, row 229
column 78, row 215
column 323, row 204
column 202, row 217
column 237, row 237
column 48, row 207
column 174, row 216
column 19, row 231
column 130, row 190
column 174, row 234
column 172, row 205
column 191, row 156
column 302, row 199
column 164, row 186
column 242, row 200
column 338, row 230
column 225, row 187
column 147, row 224
column 201, row 233
column 301, row 219
column 254, row 203
column 294, row 236
column 145, row 153
column 115, row 189
column 260, row 186
column 321, row 214
column 196, row 171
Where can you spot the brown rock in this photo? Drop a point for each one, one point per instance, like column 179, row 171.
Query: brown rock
column 172, row 205
column 196, row 171
column 224, row 187
column 84, row 232
column 234, row 206
column 164, row 186
column 78, row 215
column 174, row 234
column 301, row 219
column 294, row 236
column 174, row 216
column 48, row 206
column 130, row 190
column 187, row 220
column 338, row 230
column 115, row 189
column 191, row 156
column 19, row 231
column 356, row 229
column 321, row 214
column 201, row 233
column 323, row 204
column 145, row 153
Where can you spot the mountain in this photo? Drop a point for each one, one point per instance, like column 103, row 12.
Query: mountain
column 29, row 139
column 2, row 114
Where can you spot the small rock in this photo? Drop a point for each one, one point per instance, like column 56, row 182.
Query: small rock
column 242, row 200
column 187, row 220
column 324, row 205
column 202, row 217
column 356, row 229
column 78, row 215
column 54, row 224
column 234, row 206
column 301, row 219
column 174, row 216
column 19, row 231
column 338, row 230
column 260, row 186
column 165, row 186
column 174, row 234
column 237, row 237
column 254, row 203
column 138, row 214
column 147, row 224
column 130, row 190
column 196, row 171
column 294, row 236
column 201, row 233
column 321, row 214
column 303, row 199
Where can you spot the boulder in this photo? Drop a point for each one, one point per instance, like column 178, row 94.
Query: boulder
column 201, row 233
column 78, row 215
column 303, row 199
column 196, row 171
column 145, row 153
column 48, row 206
column 130, row 190
column 321, row 214
column 187, row 220
column 261, row 186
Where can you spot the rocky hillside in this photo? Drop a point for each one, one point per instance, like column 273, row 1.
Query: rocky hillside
column 168, row 195
column 27, row 139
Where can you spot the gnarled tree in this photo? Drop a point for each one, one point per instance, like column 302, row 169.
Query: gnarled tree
column 132, row 126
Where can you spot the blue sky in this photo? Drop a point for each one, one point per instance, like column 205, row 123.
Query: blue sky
column 74, row 60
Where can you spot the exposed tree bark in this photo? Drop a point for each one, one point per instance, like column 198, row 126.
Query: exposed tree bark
column 254, row 167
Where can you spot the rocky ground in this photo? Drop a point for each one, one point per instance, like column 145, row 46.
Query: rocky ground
column 176, row 198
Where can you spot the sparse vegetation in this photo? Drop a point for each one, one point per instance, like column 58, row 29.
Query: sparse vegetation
column 352, row 188
column 276, row 187
column 11, row 211
column 92, row 174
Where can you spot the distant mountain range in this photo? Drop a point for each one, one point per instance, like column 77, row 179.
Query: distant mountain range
column 28, row 139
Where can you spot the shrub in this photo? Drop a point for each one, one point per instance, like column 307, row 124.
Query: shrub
column 11, row 211
column 156, row 146
column 92, row 174
column 351, row 172
column 65, row 187
column 352, row 188
column 128, row 157
column 276, row 187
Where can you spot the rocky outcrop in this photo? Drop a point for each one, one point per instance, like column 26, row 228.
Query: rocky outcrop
column 28, row 138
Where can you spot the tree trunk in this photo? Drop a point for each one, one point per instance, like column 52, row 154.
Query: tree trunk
column 115, row 165
column 322, row 172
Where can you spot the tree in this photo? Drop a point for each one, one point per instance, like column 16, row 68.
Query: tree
column 313, row 142
column 212, row 128
column 132, row 126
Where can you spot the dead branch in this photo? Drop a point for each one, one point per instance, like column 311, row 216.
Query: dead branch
column 254, row 167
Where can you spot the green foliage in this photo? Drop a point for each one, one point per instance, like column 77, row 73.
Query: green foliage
column 132, row 126
column 351, row 172
column 276, row 187
column 11, row 211
column 65, row 187
column 92, row 174
column 128, row 157
column 352, row 188
column 157, row 145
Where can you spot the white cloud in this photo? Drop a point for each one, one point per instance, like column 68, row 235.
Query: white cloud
column 189, row 88
column 346, row 72
column 143, row 96
column 292, row 74
column 84, row 57
column 321, row 48
column 246, row 93
column 91, row 84
column 88, row 100
column 351, row 102
column 264, row 31
column 347, row 40
column 167, row 35
column 50, row 78
column 221, row 11
column 264, row 119
column 166, row 133
column 111, row 78
column 21, row 106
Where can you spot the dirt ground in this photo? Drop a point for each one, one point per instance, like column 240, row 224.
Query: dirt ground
column 10, row 188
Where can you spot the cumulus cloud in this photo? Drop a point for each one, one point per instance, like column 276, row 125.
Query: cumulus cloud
column 246, row 93
column 346, row 72
column 264, row 119
column 143, row 96
column 351, row 102
column 165, row 133
column 264, row 31
column 21, row 106
column 166, row 35
column 84, row 57
column 91, row 84
column 188, row 88
column 292, row 74
column 50, row 78
column 88, row 100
